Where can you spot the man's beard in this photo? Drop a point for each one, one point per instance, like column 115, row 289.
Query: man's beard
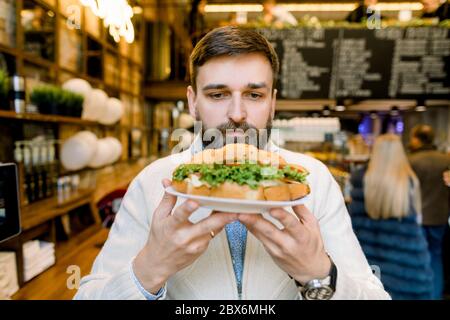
column 251, row 135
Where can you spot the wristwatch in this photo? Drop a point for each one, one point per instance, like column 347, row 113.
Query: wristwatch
column 319, row 289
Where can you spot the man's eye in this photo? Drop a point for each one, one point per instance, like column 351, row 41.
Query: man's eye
column 254, row 95
column 217, row 96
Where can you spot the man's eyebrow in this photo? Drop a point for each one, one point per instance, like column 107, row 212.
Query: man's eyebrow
column 257, row 85
column 250, row 85
column 214, row 86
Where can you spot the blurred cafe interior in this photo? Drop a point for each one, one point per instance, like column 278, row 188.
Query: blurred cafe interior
column 90, row 95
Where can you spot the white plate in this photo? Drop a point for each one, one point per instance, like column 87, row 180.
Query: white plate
column 236, row 205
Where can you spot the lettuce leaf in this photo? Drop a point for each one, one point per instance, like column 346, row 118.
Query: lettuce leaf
column 244, row 174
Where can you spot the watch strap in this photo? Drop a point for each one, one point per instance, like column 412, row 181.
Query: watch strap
column 332, row 274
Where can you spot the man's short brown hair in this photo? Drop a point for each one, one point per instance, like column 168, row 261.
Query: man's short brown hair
column 231, row 41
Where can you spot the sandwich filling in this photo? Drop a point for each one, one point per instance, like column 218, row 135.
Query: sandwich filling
column 251, row 174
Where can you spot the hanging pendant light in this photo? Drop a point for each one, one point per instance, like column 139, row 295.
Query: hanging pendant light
column 116, row 16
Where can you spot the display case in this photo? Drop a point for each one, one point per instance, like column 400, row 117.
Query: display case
column 93, row 25
column 94, row 58
column 70, row 47
column 125, row 79
column 50, row 42
column 136, row 79
column 36, row 74
column 38, row 24
column 127, row 105
column 112, row 76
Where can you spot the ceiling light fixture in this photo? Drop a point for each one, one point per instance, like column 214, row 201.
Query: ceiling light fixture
column 209, row 8
column 116, row 15
column 395, row 111
column 326, row 111
column 317, row 7
column 420, row 106
column 340, row 106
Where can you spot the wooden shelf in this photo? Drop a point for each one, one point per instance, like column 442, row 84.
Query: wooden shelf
column 94, row 37
column 142, row 128
column 131, row 61
column 72, row 72
column 36, row 60
column 51, row 284
column 37, row 213
column 45, row 5
column 36, row 117
column 46, row 118
column 42, row 211
column 110, row 47
column 63, row 248
column 118, row 179
column 94, row 53
column 9, row 50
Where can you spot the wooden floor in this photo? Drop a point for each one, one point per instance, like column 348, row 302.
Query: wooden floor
column 52, row 284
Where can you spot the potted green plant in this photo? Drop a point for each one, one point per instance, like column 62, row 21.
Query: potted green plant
column 44, row 99
column 51, row 99
column 72, row 103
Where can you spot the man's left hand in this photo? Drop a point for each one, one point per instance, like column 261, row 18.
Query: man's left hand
column 298, row 248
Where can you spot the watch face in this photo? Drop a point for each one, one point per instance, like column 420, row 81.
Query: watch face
column 322, row 293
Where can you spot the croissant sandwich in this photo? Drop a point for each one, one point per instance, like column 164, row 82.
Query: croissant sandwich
column 241, row 171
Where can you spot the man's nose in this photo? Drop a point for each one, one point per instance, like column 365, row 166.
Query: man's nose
column 236, row 110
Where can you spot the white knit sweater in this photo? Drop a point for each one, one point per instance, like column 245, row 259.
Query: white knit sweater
column 211, row 276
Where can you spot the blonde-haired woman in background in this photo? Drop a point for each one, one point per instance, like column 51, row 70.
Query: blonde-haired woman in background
column 389, row 181
column 385, row 211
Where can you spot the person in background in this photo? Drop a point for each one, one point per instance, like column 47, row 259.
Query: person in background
column 275, row 14
column 429, row 165
column 435, row 9
column 446, row 177
column 385, row 212
column 363, row 11
column 429, row 8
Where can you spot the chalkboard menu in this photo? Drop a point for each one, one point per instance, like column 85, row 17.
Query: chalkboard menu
column 406, row 63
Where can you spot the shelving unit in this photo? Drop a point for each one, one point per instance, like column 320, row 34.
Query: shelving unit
column 59, row 72
column 84, row 51
column 97, row 38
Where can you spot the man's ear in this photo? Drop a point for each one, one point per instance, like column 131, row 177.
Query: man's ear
column 191, row 96
column 274, row 103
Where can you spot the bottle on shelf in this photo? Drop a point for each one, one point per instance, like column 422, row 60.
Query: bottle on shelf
column 53, row 164
column 44, row 169
column 37, row 169
column 37, row 162
column 29, row 177
column 50, row 170
column 19, row 159
column 18, row 93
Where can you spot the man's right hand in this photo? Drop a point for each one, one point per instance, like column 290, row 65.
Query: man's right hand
column 174, row 242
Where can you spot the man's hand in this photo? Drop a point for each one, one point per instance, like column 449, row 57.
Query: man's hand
column 174, row 242
column 298, row 248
